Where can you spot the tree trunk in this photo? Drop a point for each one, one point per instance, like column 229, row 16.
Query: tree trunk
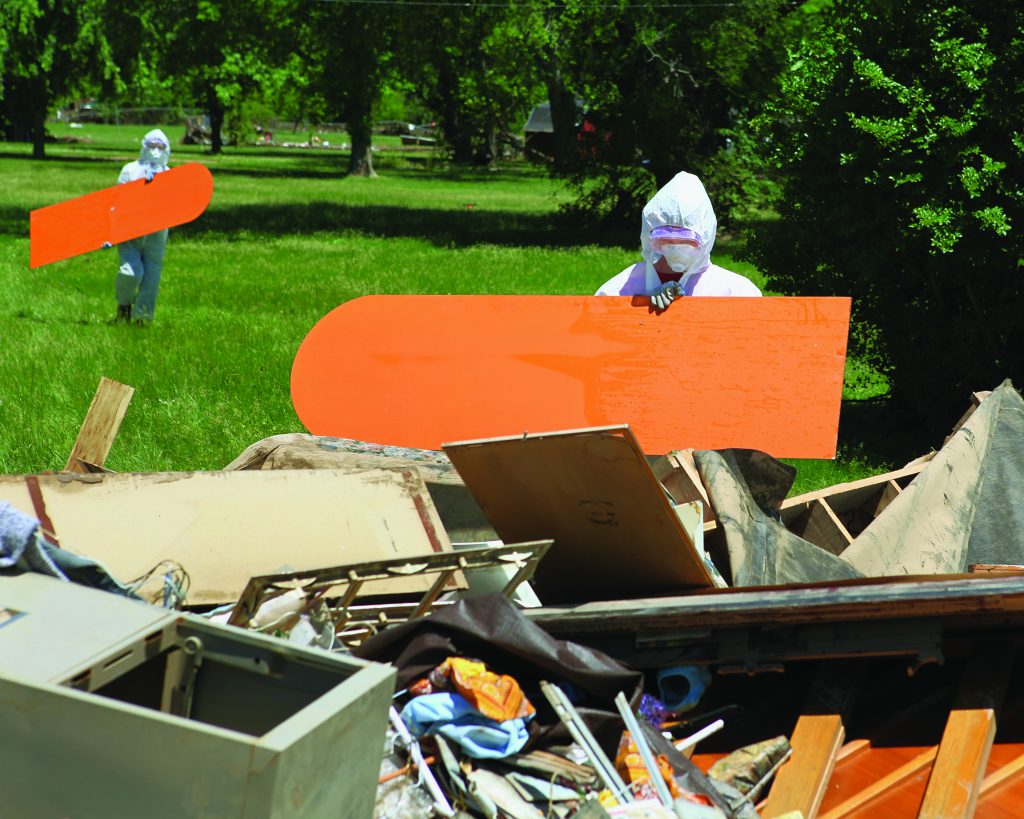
column 455, row 134
column 215, row 109
column 360, row 160
column 359, row 119
column 40, row 105
column 565, row 144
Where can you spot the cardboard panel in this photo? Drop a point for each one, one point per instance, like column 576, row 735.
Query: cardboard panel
column 118, row 213
column 708, row 373
column 225, row 527
column 614, row 530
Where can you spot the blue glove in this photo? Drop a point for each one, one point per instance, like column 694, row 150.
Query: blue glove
column 665, row 295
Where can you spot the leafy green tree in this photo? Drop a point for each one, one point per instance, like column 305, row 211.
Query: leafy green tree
column 469, row 68
column 899, row 140
column 666, row 90
column 222, row 57
column 51, row 50
column 346, row 61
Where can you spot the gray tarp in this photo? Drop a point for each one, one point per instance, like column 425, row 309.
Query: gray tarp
column 762, row 552
column 965, row 508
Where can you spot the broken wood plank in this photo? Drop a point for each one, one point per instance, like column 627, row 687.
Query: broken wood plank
column 678, row 473
column 891, row 780
column 976, row 399
column 995, row 568
column 100, row 426
column 592, row 491
column 816, row 740
column 955, row 782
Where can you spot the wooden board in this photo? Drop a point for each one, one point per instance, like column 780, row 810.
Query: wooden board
column 118, row 213
column 816, row 741
column 959, row 770
column 225, row 527
column 100, row 426
column 594, row 494
column 708, row 373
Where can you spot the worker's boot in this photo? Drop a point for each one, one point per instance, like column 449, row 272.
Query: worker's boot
column 124, row 313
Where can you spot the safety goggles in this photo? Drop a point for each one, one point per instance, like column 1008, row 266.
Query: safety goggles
column 671, row 235
column 155, row 144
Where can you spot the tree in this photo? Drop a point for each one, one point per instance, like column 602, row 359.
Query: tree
column 470, row 68
column 346, row 62
column 663, row 89
column 53, row 49
column 898, row 138
column 220, row 55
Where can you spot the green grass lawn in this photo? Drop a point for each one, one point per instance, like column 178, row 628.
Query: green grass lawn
column 285, row 240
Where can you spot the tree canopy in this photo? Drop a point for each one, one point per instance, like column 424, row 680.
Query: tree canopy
column 897, row 139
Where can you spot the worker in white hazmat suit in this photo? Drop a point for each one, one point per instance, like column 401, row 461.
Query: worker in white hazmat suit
column 142, row 259
column 676, row 235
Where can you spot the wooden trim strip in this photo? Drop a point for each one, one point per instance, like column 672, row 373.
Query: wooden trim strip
column 877, row 788
column 1002, row 776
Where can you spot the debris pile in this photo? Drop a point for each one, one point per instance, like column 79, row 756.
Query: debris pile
column 548, row 625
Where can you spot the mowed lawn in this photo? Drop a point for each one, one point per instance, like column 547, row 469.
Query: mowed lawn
column 286, row 239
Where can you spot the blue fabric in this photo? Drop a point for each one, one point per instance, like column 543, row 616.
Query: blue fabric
column 451, row 716
column 138, row 278
column 23, row 548
column 20, row 548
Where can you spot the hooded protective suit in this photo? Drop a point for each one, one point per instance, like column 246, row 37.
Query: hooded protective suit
column 682, row 203
column 142, row 259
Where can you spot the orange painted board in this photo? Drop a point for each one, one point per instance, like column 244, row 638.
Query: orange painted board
column 118, row 213
column 708, row 373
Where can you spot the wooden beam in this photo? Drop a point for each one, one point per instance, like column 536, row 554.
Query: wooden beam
column 800, row 784
column 678, row 473
column 821, row 526
column 1003, row 776
column 100, row 426
column 956, row 778
column 879, row 787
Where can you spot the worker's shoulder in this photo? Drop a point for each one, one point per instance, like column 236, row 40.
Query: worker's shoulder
column 735, row 283
column 630, row 282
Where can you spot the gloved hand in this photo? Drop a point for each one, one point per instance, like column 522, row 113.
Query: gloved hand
column 665, row 295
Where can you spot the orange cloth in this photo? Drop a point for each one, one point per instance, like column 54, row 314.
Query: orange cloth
column 497, row 696
column 630, row 766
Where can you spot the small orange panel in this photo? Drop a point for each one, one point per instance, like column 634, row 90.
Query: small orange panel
column 708, row 373
column 118, row 213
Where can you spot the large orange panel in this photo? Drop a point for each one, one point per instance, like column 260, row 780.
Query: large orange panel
column 118, row 213
column 708, row 373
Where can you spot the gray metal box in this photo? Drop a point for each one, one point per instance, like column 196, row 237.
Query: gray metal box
column 112, row 708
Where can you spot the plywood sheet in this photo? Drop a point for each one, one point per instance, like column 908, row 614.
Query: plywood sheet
column 592, row 491
column 708, row 373
column 225, row 527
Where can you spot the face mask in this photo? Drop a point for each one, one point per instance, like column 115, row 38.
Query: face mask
column 680, row 257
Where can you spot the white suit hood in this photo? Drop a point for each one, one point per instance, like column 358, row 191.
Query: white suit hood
column 158, row 159
column 682, row 202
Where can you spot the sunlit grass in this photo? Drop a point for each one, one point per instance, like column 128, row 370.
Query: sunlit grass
column 285, row 240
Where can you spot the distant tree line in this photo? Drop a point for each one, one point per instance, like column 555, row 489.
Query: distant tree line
column 882, row 139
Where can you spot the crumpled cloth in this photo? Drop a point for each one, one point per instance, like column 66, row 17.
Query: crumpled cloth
column 497, row 696
column 24, row 548
column 452, row 716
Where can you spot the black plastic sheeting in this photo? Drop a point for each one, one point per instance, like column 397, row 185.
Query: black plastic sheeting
column 492, row 630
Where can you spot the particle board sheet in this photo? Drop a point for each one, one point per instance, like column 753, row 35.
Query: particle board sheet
column 708, row 373
column 592, row 491
column 225, row 527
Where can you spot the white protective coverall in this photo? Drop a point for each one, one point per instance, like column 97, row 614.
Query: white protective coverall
column 682, row 203
column 142, row 259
